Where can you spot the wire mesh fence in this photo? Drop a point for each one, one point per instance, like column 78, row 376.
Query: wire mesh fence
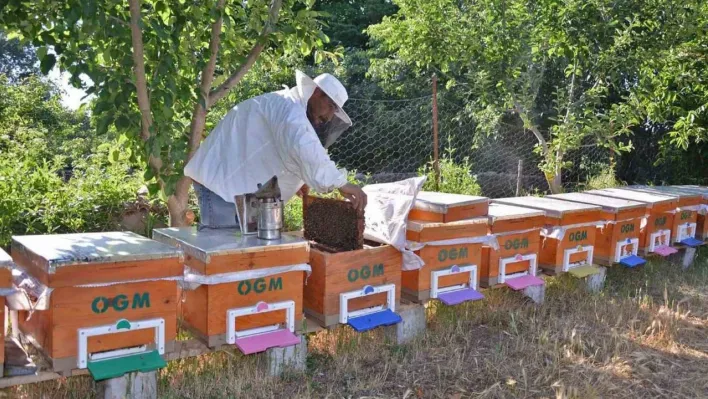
column 393, row 139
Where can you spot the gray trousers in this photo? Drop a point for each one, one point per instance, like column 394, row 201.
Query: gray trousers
column 215, row 213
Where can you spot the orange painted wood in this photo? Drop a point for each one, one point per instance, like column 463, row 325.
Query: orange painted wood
column 96, row 273
column 446, row 231
column 441, row 257
column 5, row 278
column 636, row 213
column 552, row 250
column 72, row 308
column 249, row 260
column 655, row 221
column 195, row 310
column 506, row 249
column 683, row 217
column 336, row 273
column 519, row 224
column 222, row 297
column 702, row 227
column 581, row 217
column 453, row 214
column 466, row 212
column 607, row 238
column 39, row 326
column 2, row 331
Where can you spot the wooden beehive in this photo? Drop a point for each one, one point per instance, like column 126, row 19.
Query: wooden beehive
column 702, row 228
column 518, row 234
column 659, row 218
column 627, row 216
column 577, row 244
column 686, row 213
column 445, row 208
column 5, row 283
column 417, row 283
column 213, row 252
column 98, row 279
column 334, row 273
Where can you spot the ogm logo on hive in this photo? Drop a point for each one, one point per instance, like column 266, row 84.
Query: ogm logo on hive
column 364, row 272
column 516, row 244
column 660, row 221
column 685, row 215
column 627, row 228
column 453, row 254
column 120, row 303
column 260, row 285
column 578, row 236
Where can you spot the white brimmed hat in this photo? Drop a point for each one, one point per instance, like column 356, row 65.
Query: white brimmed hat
column 330, row 86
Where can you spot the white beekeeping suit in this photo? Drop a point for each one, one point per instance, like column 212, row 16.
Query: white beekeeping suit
column 268, row 136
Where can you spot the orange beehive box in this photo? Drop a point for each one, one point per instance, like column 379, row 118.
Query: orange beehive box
column 452, row 255
column 569, row 237
column 518, row 234
column 685, row 227
column 657, row 231
column 102, row 283
column 349, row 284
column 702, row 226
column 5, row 283
column 444, row 208
column 246, row 286
column 618, row 240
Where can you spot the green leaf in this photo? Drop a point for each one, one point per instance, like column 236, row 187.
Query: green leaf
column 115, row 155
column 47, row 63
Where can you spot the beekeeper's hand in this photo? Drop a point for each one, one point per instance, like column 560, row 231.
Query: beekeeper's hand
column 303, row 191
column 354, row 194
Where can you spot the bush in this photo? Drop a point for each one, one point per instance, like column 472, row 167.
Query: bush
column 36, row 200
column 455, row 178
column 606, row 178
column 56, row 174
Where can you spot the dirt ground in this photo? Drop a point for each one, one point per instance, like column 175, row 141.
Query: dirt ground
column 644, row 336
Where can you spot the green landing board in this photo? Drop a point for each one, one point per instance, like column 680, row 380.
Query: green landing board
column 584, row 271
column 112, row 368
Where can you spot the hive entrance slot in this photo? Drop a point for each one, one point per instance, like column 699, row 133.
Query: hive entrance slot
column 371, row 317
column 659, row 243
column 583, row 252
column 108, row 364
column 259, row 339
column 455, row 294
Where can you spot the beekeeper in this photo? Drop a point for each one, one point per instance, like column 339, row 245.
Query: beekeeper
column 281, row 134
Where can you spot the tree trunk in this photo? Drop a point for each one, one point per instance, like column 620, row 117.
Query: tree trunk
column 555, row 180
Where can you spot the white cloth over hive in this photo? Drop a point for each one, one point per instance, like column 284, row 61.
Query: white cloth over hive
column 387, row 208
column 265, row 136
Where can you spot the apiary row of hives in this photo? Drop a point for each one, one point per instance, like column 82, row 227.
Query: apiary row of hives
column 113, row 302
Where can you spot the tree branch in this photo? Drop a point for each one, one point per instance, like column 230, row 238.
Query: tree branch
column 139, row 69
column 140, row 81
column 218, row 93
column 207, row 78
column 541, row 140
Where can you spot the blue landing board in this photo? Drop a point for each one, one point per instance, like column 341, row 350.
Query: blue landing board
column 373, row 320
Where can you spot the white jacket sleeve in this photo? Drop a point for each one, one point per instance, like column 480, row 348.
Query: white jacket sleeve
column 316, row 169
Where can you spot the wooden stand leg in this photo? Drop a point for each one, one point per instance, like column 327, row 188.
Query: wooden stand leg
column 135, row 385
column 596, row 282
column 293, row 358
column 412, row 325
column 688, row 257
column 536, row 293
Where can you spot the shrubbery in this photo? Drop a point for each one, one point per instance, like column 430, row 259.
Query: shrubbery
column 55, row 174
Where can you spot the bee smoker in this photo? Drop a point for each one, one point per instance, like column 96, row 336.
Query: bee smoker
column 261, row 213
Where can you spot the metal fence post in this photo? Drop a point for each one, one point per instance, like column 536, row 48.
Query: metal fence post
column 436, row 159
